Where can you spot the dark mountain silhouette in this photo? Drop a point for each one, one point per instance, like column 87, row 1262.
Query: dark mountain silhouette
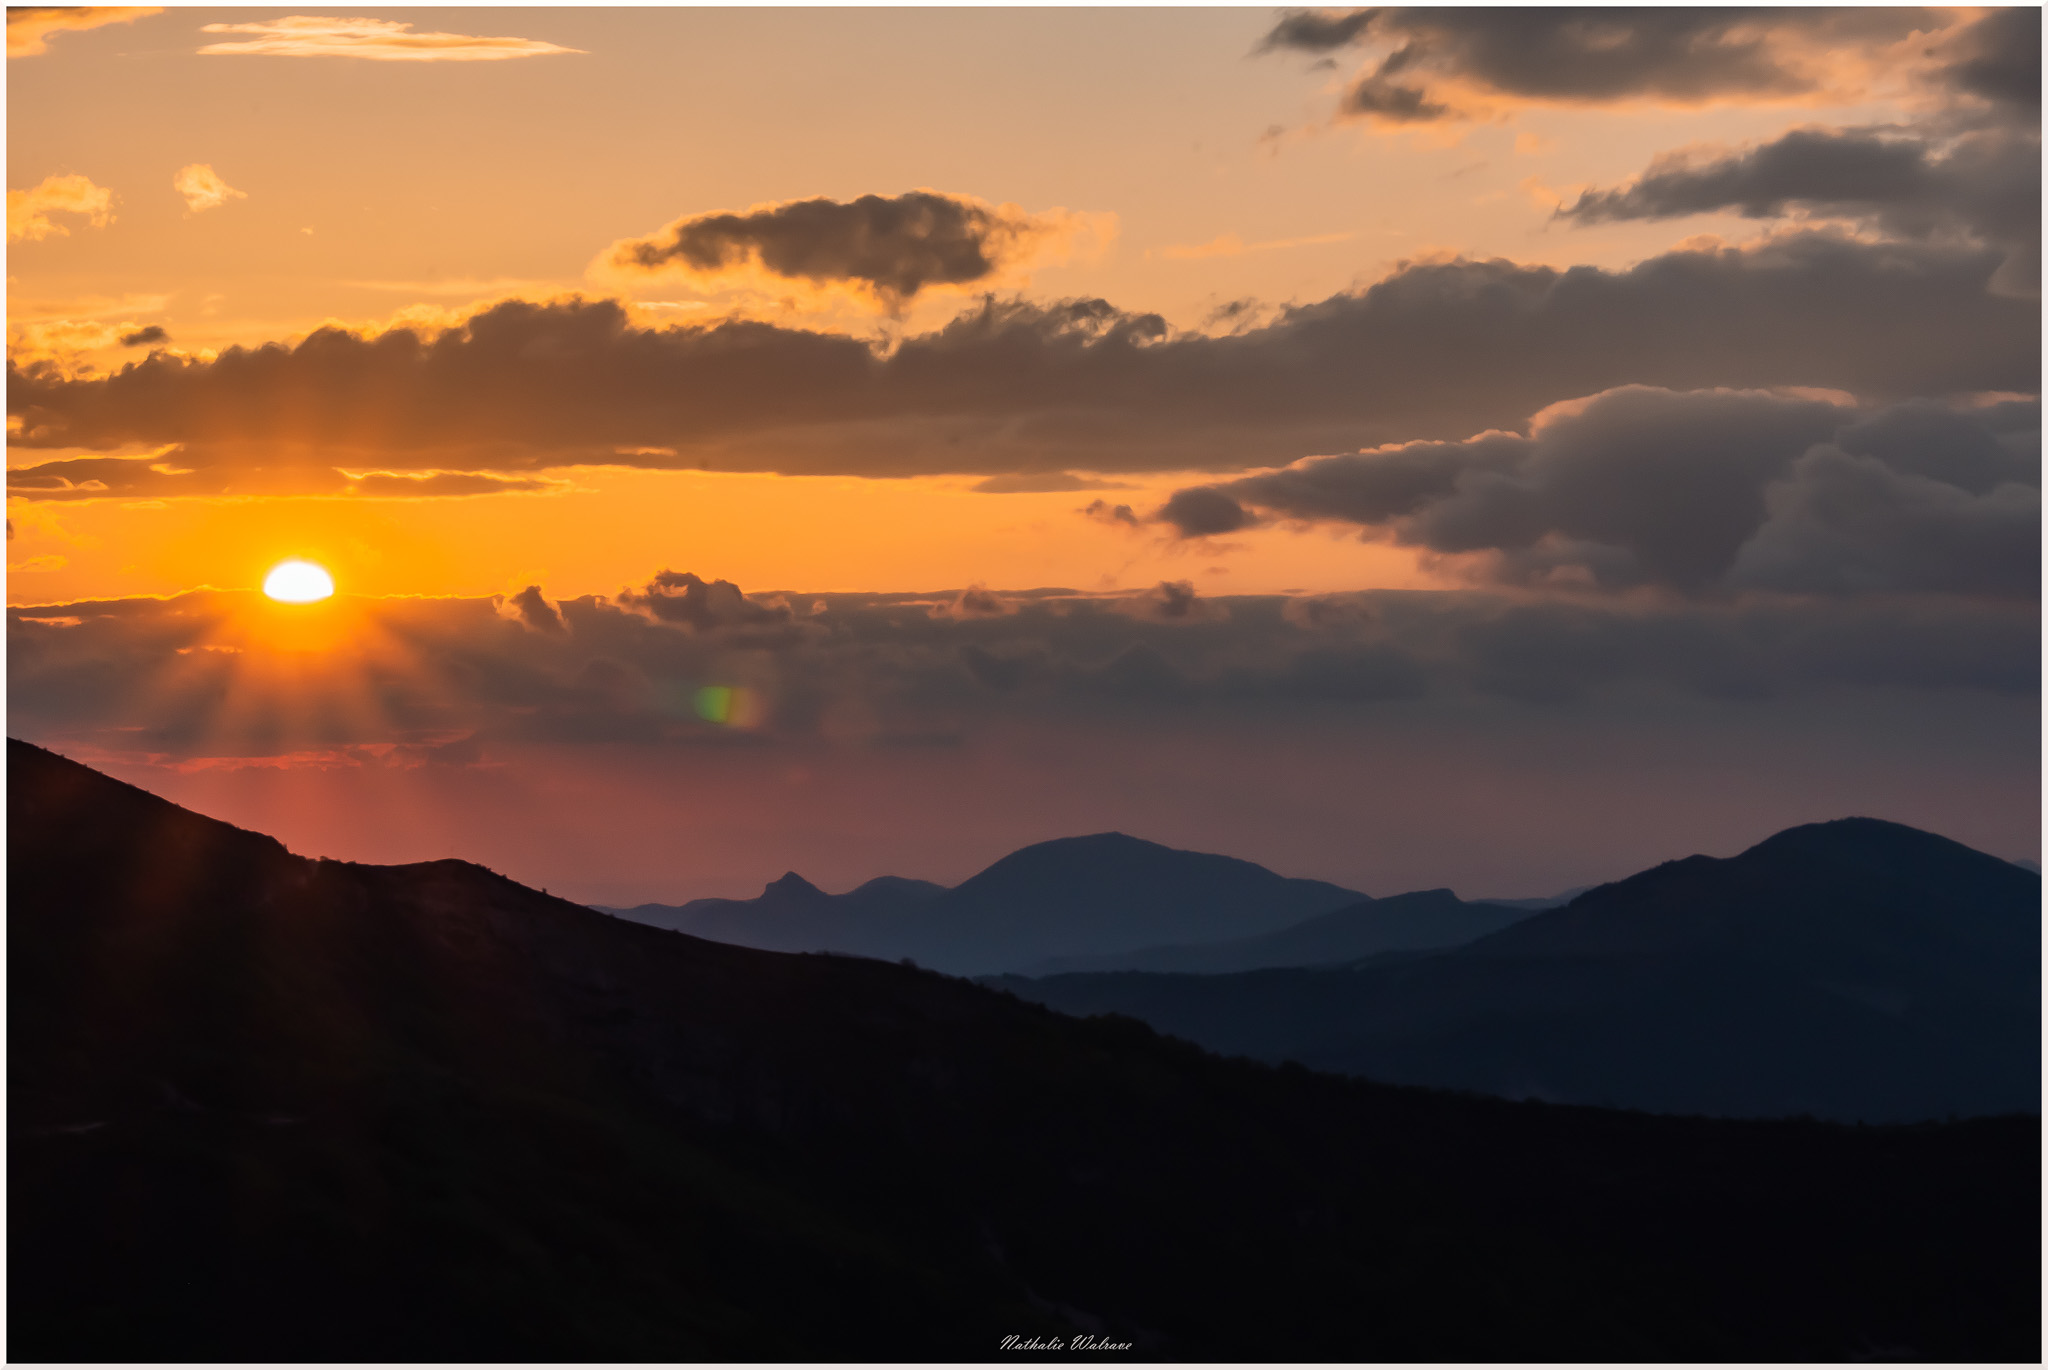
column 266, row 1108
column 1853, row 970
column 1427, row 920
column 1071, row 897
column 1551, row 901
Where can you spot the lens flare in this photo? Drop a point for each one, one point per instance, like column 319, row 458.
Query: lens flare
column 732, row 706
column 298, row 582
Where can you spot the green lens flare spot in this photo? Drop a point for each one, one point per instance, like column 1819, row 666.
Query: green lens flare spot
column 714, row 703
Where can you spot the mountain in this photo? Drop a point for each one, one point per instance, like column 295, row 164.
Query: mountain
column 1426, row 920
column 1550, row 901
column 265, row 1108
column 1854, row 970
column 1075, row 896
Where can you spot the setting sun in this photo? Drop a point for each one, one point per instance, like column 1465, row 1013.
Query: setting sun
column 298, row 582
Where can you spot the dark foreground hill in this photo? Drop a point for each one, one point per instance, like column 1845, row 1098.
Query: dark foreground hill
column 1857, row 970
column 1074, row 896
column 265, row 1108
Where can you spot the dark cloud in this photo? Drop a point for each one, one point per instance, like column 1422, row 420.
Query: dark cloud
column 193, row 677
column 535, row 612
column 973, row 602
column 144, row 337
column 1435, row 350
column 1847, row 524
column 1985, row 184
column 1172, row 599
column 1998, row 58
column 1203, row 511
column 1580, row 55
column 1115, row 515
column 1317, row 31
column 680, row 597
column 894, row 246
column 1378, row 97
column 1704, row 491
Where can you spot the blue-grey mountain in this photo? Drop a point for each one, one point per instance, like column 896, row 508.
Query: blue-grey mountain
column 1855, row 970
column 1076, row 896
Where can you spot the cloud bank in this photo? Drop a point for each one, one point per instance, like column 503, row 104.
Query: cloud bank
column 1454, row 63
column 1434, row 351
column 1984, row 185
column 196, row 676
column 1698, row 493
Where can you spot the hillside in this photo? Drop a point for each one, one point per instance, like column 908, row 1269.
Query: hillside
column 267, row 1108
column 1426, row 920
column 1853, row 970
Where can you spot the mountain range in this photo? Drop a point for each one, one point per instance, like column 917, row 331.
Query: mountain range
column 1076, row 896
column 266, row 1108
column 1423, row 921
column 1858, row 969
column 1102, row 902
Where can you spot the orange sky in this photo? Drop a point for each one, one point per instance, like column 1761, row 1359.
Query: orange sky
column 1489, row 447
column 369, row 191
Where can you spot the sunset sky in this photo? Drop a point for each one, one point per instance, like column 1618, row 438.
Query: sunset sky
column 1498, row 449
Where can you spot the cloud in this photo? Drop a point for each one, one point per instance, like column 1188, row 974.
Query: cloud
column 975, row 601
column 704, row 762
column 64, row 342
column 1173, row 601
column 1998, row 59
column 1699, row 492
column 203, row 189
column 1985, row 184
column 29, row 211
column 887, row 247
column 195, row 676
column 680, row 597
column 169, row 474
column 1317, row 31
column 377, row 40
column 145, row 337
column 443, row 484
column 1445, row 63
column 1202, row 511
column 535, row 612
column 30, row 27
column 1434, row 350
column 1043, row 482
column 1115, row 515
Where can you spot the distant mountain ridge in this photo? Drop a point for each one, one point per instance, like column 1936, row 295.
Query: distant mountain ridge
column 1426, row 920
column 1856, row 969
column 1095, row 895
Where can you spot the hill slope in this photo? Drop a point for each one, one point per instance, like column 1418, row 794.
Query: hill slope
column 266, row 1108
column 1074, row 896
column 1855, row 970
column 1426, row 920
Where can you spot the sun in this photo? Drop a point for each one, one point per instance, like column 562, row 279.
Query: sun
column 298, row 582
